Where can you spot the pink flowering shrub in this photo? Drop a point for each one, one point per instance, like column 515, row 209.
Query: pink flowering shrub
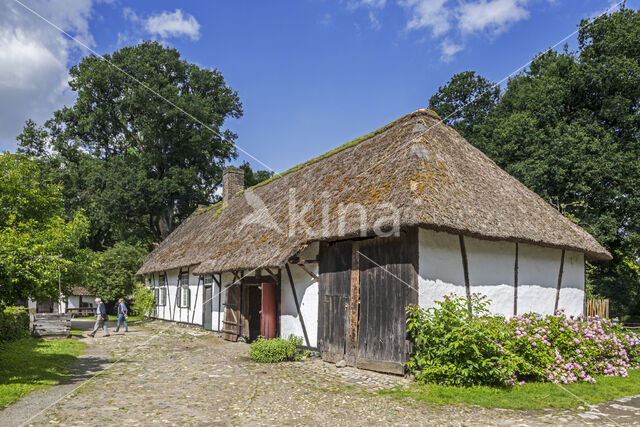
column 454, row 347
column 564, row 349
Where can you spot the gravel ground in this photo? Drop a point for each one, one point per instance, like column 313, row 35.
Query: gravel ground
column 168, row 374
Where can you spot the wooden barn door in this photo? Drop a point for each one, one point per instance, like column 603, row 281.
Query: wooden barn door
column 232, row 323
column 388, row 283
column 334, row 292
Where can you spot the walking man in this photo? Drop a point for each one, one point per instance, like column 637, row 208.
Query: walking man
column 122, row 315
column 101, row 319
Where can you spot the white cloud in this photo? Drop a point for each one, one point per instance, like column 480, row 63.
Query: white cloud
column 378, row 4
column 34, row 60
column 430, row 14
column 173, row 24
column 373, row 20
column 451, row 20
column 449, row 49
column 325, row 20
column 493, row 15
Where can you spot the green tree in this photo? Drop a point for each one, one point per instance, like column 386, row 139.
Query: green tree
column 37, row 244
column 252, row 177
column 112, row 273
column 139, row 154
column 144, row 302
column 465, row 101
column 569, row 129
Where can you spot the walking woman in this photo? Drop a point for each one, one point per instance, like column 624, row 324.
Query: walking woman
column 122, row 315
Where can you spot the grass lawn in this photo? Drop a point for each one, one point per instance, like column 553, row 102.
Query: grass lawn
column 29, row 364
column 528, row 396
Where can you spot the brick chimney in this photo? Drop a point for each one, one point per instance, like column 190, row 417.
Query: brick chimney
column 232, row 183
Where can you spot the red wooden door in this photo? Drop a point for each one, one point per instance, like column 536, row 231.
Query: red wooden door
column 268, row 317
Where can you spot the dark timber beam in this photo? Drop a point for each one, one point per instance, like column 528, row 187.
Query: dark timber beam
column 559, row 281
column 275, row 276
column 257, row 280
column 195, row 302
column 515, row 284
column 309, row 272
column 213, row 276
column 465, row 268
column 295, row 298
column 354, row 304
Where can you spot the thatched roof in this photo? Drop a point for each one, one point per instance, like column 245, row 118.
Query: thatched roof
column 423, row 168
column 80, row 291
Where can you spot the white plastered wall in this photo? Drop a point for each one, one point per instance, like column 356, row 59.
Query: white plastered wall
column 169, row 310
column 538, row 269
column 440, row 271
column 491, row 272
column 74, row 301
column 307, row 293
column 572, row 290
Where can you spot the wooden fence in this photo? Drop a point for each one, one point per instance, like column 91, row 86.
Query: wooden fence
column 598, row 307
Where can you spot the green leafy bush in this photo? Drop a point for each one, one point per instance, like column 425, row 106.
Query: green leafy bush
column 144, row 302
column 277, row 350
column 453, row 346
column 14, row 323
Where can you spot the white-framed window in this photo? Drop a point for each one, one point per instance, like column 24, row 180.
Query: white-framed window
column 185, row 296
column 160, row 295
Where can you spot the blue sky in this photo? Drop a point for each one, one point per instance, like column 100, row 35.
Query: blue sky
column 312, row 74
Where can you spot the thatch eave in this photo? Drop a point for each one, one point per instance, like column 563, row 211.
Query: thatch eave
column 416, row 163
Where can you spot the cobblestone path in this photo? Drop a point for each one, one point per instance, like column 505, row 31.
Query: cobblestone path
column 167, row 374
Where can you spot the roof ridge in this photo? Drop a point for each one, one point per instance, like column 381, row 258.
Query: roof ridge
column 352, row 143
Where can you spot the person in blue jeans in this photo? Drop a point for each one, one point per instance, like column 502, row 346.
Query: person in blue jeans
column 122, row 315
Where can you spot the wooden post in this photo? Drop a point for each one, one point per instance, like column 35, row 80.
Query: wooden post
column 354, row 305
column 465, row 268
column 195, row 302
column 219, row 283
column 584, row 287
column 295, row 298
column 559, row 281
column 515, row 284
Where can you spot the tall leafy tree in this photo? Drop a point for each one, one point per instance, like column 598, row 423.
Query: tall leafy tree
column 38, row 244
column 465, row 101
column 569, row 129
column 143, row 143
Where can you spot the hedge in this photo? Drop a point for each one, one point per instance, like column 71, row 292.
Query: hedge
column 14, row 323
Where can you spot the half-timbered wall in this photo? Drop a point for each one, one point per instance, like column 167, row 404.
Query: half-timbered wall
column 307, row 293
column 192, row 314
column 492, row 272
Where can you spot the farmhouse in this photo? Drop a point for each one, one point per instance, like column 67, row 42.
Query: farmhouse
column 333, row 250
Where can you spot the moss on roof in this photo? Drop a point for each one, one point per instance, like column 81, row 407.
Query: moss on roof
column 335, row 150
